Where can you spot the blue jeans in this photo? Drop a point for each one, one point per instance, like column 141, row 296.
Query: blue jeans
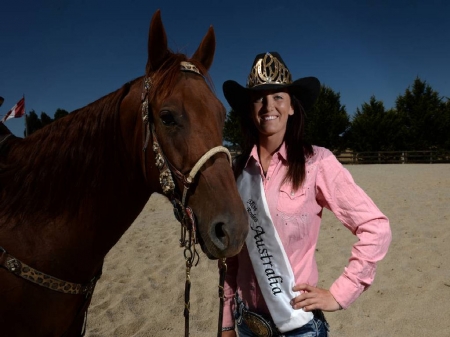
column 317, row 327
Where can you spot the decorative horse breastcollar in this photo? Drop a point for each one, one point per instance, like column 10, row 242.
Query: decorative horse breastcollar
column 28, row 273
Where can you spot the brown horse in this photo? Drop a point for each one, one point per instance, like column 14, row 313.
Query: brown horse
column 70, row 190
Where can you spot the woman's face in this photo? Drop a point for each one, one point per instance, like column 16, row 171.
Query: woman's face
column 270, row 112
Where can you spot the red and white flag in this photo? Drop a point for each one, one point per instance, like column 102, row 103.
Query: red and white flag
column 17, row 110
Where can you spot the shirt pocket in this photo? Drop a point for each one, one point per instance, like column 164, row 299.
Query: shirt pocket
column 290, row 201
column 290, row 209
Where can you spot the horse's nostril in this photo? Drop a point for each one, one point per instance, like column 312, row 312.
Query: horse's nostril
column 220, row 234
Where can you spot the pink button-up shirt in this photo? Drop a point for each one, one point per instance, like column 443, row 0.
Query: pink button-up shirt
column 296, row 216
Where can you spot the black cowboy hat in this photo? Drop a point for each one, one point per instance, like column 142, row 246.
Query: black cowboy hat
column 269, row 72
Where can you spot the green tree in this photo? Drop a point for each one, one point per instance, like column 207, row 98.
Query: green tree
column 35, row 123
column 375, row 129
column 328, row 121
column 425, row 118
column 45, row 119
column 232, row 129
column 392, row 128
column 60, row 113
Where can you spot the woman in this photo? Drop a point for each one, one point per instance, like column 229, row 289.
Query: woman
column 285, row 183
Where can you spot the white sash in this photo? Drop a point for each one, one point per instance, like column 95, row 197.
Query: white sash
column 270, row 262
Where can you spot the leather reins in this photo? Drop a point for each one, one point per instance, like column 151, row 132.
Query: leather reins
column 183, row 213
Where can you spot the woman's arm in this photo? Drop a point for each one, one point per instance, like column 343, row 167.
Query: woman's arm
column 337, row 191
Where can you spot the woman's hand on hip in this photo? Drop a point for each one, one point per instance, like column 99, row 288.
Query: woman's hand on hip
column 312, row 298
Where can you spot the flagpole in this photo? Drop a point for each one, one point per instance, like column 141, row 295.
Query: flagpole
column 26, row 125
column 26, row 117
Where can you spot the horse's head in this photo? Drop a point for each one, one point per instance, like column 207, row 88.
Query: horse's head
column 187, row 119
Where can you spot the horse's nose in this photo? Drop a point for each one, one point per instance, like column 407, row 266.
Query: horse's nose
column 221, row 236
column 228, row 237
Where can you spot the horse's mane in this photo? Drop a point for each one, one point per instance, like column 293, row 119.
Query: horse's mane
column 56, row 167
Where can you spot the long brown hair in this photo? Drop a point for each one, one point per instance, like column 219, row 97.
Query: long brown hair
column 297, row 149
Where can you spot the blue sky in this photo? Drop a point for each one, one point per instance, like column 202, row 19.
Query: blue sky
column 68, row 53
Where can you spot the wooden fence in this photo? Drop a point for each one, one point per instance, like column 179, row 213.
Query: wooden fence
column 393, row 157
column 386, row 157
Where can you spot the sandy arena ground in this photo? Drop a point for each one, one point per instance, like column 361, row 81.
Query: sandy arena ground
column 141, row 291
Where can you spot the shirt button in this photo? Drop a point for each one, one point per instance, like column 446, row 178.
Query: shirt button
column 268, row 178
column 292, row 194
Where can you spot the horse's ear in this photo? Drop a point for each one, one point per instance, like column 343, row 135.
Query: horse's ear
column 157, row 43
column 206, row 49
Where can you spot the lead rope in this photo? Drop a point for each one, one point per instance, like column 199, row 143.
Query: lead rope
column 192, row 258
column 187, row 289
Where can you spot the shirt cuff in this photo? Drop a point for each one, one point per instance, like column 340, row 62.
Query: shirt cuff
column 345, row 292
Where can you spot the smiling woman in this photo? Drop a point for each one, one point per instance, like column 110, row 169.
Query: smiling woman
column 271, row 285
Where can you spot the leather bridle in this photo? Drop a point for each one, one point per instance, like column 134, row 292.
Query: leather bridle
column 183, row 213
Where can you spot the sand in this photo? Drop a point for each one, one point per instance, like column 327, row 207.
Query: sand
column 141, row 290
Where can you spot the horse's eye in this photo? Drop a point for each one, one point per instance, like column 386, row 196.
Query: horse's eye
column 167, row 118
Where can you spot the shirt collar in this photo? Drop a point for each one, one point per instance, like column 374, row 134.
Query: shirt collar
column 281, row 153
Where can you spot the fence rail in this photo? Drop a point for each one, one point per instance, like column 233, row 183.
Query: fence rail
column 393, row 157
column 385, row 157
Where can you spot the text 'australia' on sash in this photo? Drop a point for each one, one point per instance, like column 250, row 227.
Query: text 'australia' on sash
column 266, row 259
